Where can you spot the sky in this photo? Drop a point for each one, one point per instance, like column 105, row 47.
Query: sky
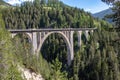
column 92, row 6
column 13, row 2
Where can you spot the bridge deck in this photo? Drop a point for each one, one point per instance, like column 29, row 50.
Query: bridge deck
column 49, row 29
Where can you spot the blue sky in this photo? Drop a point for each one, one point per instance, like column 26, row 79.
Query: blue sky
column 92, row 6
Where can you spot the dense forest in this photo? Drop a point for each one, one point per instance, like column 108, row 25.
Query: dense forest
column 96, row 59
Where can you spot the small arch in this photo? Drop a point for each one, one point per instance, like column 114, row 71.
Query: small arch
column 68, row 44
column 29, row 36
column 13, row 35
column 23, row 41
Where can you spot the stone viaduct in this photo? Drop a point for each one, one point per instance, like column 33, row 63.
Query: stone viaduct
column 38, row 36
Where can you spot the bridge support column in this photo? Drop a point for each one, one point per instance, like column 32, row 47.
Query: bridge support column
column 70, row 49
column 34, row 42
column 79, row 38
column 92, row 31
column 13, row 35
column 86, row 34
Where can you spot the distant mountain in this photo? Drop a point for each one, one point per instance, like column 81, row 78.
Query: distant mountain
column 4, row 4
column 103, row 13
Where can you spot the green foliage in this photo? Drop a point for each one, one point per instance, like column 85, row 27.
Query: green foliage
column 116, row 14
column 13, row 73
column 8, row 70
column 109, row 1
column 2, row 2
column 47, row 15
column 100, row 62
column 56, row 73
column 52, row 45
column 96, row 59
column 26, row 58
column 36, row 63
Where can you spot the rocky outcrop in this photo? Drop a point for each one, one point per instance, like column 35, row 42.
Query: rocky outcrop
column 27, row 74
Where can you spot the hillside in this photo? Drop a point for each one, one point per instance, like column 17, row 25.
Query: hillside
column 97, row 56
column 4, row 4
column 103, row 13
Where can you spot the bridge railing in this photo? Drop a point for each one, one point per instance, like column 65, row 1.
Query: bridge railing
column 49, row 29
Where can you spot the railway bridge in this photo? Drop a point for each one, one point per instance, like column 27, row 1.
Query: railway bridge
column 38, row 36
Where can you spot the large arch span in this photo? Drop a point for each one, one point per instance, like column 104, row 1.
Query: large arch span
column 68, row 44
column 50, row 33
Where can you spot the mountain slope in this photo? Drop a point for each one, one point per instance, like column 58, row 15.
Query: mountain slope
column 103, row 13
column 4, row 3
column 94, row 57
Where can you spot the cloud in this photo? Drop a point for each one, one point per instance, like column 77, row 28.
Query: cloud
column 13, row 2
column 26, row 0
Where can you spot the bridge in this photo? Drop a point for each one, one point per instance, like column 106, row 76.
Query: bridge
column 38, row 36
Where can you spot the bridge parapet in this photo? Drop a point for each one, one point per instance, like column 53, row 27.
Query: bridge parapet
column 50, row 29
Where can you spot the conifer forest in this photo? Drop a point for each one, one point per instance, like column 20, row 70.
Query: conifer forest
column 98, row 57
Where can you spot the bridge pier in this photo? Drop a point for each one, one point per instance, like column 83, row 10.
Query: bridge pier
column 70, row 52
column 86, row 34
column 79, row 38
column 34, row 42
column 13, row 35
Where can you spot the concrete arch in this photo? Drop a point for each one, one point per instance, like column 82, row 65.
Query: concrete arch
column 65, row 38
column 29, row 36
column 13, row 35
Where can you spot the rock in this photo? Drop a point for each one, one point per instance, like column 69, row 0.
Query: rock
column 28, row 75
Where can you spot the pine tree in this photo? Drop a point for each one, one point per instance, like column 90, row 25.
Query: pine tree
column 56, row 71
column 116, row 15
column 7, row 55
